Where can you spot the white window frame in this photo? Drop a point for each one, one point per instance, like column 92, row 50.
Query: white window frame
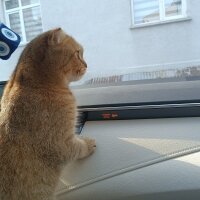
column 163, row 17
column 19, row 10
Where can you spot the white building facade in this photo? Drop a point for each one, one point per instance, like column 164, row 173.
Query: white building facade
column 120, row 37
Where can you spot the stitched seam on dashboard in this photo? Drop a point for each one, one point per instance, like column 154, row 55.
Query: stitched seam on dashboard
column 138, row 166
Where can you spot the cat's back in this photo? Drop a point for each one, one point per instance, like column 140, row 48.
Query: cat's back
column 31, row 115
column 26, row 107
column 30, row 118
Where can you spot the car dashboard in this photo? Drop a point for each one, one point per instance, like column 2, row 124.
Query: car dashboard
column 147, row 148
column 136, row 157
column 145, row 151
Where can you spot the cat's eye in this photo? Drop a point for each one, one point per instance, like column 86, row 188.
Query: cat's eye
column 80, row 53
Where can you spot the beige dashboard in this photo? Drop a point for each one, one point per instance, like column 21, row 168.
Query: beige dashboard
column 137, row 159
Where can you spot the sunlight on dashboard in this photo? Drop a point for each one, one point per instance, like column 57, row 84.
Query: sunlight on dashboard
column 162, row 146
column 193, row 159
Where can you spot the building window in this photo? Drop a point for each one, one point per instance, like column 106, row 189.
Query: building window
column 152, row 11
column 24, row 17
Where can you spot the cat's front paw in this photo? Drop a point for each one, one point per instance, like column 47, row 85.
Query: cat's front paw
column 91, row 145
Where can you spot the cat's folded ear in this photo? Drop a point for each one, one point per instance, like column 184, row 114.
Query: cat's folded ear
column 56, row 36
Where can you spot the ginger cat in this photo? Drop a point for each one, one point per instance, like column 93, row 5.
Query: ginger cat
column 38, row 116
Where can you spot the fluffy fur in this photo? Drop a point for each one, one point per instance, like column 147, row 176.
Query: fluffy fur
column 38, row 116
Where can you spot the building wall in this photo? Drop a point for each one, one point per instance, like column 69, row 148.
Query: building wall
column 103, row 28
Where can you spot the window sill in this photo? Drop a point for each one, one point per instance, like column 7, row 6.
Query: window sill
column 161, row 22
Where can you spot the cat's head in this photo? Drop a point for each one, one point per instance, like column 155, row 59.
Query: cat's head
column 54, row 55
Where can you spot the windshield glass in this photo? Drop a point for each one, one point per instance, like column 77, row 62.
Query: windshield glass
column 129, row 42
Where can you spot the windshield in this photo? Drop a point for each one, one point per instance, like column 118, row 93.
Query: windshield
column 133, row 42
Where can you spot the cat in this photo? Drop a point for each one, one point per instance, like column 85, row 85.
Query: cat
column 38, row 117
